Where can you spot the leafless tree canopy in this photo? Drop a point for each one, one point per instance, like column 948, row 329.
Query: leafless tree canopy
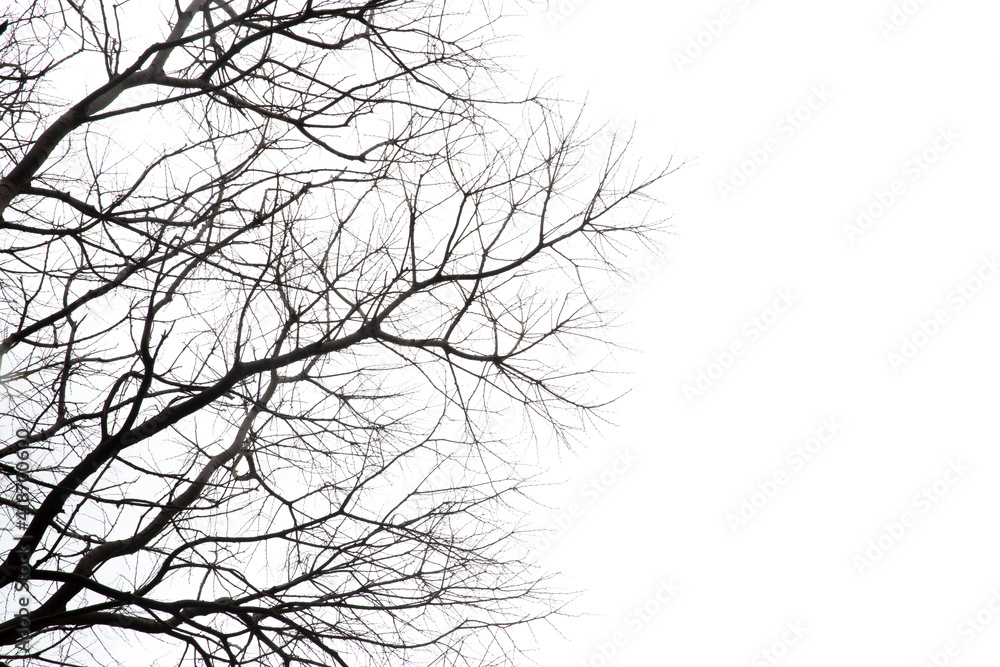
column 271, row 272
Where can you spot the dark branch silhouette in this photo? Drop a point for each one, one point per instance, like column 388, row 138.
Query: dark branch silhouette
column 270, row 271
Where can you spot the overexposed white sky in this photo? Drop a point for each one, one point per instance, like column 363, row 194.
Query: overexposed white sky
column 877, row 542
column 806, row 472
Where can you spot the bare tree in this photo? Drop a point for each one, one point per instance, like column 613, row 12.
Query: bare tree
column 267, row 282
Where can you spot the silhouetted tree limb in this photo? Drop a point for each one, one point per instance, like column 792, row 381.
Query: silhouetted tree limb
column 268, row 277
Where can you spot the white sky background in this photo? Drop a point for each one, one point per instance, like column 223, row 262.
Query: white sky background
column 827, row 357
column 675, row 468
